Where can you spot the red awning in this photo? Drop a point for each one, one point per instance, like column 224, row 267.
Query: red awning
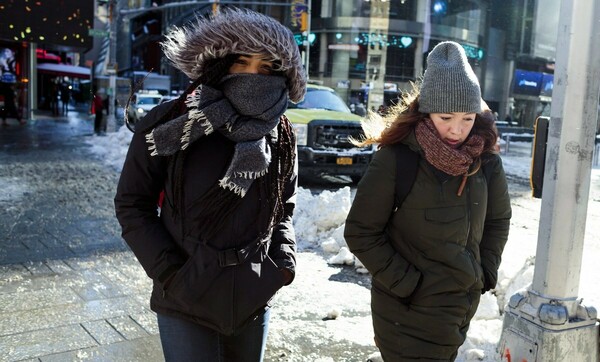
column 64, row 70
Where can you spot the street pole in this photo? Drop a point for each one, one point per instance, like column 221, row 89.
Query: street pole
column 111, row 68
column 548, row 322
column 377, row 52
column 307, row 41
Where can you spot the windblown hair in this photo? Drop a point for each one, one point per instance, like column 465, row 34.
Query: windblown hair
column 404, row 116
column 236, row 31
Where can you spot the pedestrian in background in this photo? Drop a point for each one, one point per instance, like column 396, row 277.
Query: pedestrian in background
column 65, row 98
column 54, row 93
column 98, row 111
column 434, row 256
column 10, row 105
column 223, row 155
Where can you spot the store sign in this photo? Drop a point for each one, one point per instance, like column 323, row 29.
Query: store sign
column 348, row 47
column 7, row 66
column 527, row 83
column 98, row 33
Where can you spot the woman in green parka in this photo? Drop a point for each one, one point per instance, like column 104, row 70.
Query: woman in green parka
column 432, row 257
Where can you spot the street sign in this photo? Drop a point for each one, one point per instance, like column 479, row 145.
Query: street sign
column 98, row 33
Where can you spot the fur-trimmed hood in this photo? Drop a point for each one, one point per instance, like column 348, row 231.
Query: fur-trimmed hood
column 236, row 31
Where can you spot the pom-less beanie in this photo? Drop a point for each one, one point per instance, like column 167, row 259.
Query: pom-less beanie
column 236, row 31
column 449, row 83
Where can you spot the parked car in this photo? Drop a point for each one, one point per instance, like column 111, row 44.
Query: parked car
column 324, row 126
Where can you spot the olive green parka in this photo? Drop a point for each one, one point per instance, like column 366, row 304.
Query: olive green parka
column 431, row 258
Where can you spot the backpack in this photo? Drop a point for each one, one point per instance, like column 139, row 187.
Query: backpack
column 407, row 165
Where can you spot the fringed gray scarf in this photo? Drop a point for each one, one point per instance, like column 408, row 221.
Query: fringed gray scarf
column 246, row 110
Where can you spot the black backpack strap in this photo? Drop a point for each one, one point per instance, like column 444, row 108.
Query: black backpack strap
column 487, row 167
column 407, row 166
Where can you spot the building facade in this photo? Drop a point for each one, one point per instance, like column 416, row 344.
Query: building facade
column 371, row 50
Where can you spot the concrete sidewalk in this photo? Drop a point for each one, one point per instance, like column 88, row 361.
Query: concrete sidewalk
column 70, row 289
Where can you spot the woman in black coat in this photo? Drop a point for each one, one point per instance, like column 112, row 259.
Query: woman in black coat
column 223, row 160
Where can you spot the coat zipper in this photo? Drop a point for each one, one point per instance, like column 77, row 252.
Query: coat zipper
column 471, row 258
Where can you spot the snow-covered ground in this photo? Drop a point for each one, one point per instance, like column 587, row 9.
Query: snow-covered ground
column 319, row 220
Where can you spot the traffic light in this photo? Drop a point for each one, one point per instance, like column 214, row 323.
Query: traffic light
column 304, row 21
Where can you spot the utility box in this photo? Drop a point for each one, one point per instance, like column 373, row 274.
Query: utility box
column 523, row 340
column 538, row 160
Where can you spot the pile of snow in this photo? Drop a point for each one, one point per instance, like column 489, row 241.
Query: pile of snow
column 112, row 147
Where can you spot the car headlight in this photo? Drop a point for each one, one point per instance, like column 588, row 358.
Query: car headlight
column 301, row 134
column 140, row 110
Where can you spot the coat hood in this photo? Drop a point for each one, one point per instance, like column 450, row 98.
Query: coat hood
column 236, row 31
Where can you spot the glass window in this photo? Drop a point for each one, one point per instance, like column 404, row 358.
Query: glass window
column 461, row 14
column 400, row 64
column 403, row 10
column 354, row 8
column 321, row 99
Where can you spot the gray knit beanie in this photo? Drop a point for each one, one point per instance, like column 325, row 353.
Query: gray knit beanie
column 236, row 31
column 449, row 83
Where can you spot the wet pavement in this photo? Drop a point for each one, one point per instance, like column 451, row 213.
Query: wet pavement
column 69, row 287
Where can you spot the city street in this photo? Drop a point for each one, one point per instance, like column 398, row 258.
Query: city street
column 70, row 289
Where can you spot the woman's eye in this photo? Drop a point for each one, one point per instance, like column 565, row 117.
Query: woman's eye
column 446, row 118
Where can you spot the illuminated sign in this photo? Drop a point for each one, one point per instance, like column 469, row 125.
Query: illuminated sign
column 8, row 66
column 527, row 83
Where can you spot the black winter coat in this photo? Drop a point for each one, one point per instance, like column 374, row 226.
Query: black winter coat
column 223, row 298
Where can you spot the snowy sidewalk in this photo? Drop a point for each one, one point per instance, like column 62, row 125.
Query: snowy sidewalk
column 71, row 291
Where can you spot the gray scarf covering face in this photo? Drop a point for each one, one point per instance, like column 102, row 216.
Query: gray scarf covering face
column 246, row 110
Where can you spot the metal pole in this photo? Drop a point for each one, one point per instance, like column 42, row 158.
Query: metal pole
column 548, row 322
column 309, row 13
column 33, row 82
column 111, row 70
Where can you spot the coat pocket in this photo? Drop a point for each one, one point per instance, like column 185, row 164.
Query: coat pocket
column 444, row 225
column 257, row 282
column 194, row 278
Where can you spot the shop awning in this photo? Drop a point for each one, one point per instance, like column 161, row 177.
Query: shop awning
column 64, row 70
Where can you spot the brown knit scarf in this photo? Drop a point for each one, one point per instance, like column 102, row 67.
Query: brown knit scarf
column 453, row 161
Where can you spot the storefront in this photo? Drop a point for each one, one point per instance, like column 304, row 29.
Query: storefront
column 25, row 36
